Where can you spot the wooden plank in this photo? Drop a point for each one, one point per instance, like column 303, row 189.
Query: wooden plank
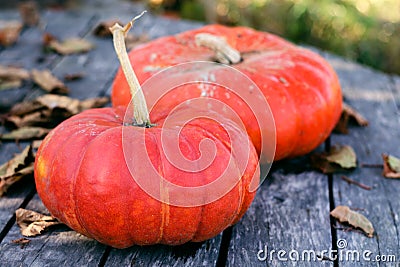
column 369, row 92
column 60, row 246
column 290, row 212
column 395, row 80
column 191, row 254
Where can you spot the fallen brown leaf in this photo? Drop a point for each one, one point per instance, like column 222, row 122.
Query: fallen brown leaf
column 391, row 166
column 355, row 219
column 103, row 28
column 15, row 169
column 9, row 84
column 29, row 13
column 131, row 41
column 49, row 110
column 33, row 223
column 13, row 73
column 25, row 133
column 38, row 118
column 24, row 108
column 48, row 82
column 338, row 159
column 12, row 77
column 93, row 103
column 74, row 76
column 48, row 38
column 349, row 114
column 21, row 241
column 35, row 146
column 69, row 46
column 9, row 32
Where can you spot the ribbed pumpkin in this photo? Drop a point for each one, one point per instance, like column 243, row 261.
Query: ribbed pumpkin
column 91, row 174
column 300, row 87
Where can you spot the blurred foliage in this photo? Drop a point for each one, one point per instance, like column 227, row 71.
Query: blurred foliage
column 367, row 31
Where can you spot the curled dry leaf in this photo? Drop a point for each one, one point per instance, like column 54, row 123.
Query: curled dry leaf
column 132, row 41
column 9, row 32
column 29, row 13
column 13, row 73
column 9, row 84
column 74, row 76
column 25, row 133
column 349, row 114
column 345, row 215
column 12, row 77
column 33, row 223
column 21, row 241
column 69, row 46
column 35, row 146
column 47, row 39
column 92, row 103
column 49, row 110
column 48, row 82
column 103, row 28
column 391, row 166
column 31, row 119
column 15, row 169
column 338, row 159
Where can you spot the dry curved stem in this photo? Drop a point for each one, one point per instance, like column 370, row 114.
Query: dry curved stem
column 140, row 113
column 224, row 53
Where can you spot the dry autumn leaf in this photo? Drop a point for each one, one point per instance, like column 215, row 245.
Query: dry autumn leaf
column 24, row 108
column 92, row 103
column 35, row 146
column 103, row 28
column 33, row 223
column 49, row 110
column 9, row 32
column 391, row 166
column 131, row 41
column 13, row 73
column 9, row 84
column 29, row 13
column 48, row 82
column 12, row 77
column 69, row 46
column 15, row 169
column 21, row 241
column 338, row 159
column 349, row 114
column 38, row 118
column 25, row 133
column 355, row 219
column 74, row 76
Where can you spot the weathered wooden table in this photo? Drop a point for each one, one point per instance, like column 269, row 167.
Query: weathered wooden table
column 291, row 209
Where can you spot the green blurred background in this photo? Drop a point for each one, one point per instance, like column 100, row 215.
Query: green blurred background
column 367, row 31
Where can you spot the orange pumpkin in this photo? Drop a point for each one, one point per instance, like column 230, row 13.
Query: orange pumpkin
column 300, row 87
column 115, row 182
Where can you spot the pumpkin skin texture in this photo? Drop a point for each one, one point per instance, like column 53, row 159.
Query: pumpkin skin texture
column 300, row 87
column 83, row 179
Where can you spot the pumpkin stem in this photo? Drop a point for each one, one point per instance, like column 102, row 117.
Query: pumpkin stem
column 140, row 113
column 224, row 53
